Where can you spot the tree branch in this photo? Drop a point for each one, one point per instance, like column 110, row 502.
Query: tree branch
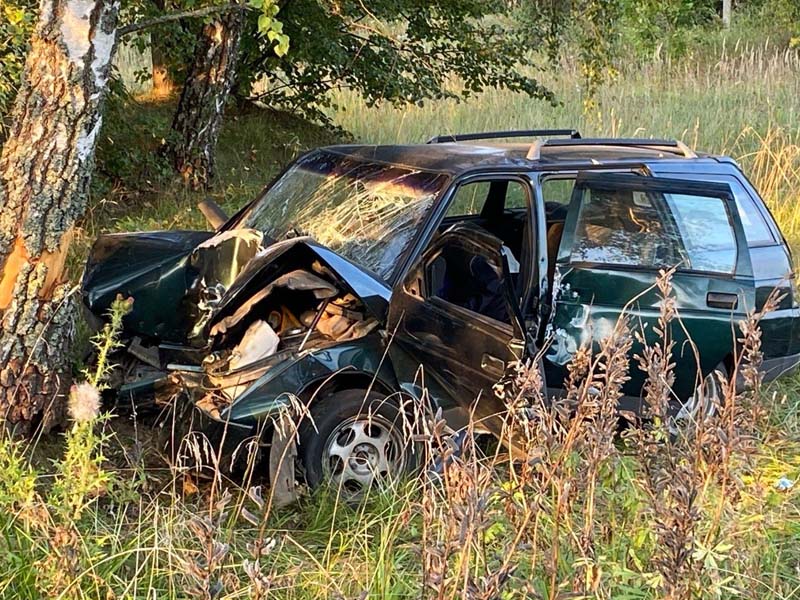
column 177, row 16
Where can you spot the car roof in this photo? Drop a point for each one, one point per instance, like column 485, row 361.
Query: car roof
column 459, row 157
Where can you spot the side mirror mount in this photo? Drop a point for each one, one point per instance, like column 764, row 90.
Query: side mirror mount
column 214, row 215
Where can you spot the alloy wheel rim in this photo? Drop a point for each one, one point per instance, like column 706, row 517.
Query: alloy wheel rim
column 702, row 403
column 361, row 453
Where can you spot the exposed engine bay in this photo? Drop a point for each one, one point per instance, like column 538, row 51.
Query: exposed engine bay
column 299, row 310
column 244, row 308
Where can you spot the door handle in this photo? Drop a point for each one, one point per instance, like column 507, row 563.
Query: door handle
column 722, row 300
column 492, row 363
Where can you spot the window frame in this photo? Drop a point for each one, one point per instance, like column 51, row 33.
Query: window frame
column 529, row 183
column 742, row 266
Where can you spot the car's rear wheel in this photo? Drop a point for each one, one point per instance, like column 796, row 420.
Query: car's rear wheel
column 355, row 441
column 701, row 404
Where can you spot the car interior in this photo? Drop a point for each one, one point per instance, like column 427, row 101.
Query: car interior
column 500, row 207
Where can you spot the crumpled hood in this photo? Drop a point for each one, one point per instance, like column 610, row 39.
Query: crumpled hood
column 303, row 251
column 153, row 269
column 183, row 282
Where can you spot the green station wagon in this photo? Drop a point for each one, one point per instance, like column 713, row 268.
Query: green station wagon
column 364, row 274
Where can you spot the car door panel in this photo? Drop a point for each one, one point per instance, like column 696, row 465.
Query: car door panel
column 589, row 297
column 462, row 350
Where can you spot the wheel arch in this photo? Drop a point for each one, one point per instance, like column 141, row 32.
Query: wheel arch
column 346, row 379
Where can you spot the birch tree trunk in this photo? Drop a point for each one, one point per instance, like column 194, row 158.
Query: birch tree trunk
column 727, row 8
column 45, row 170
column 195, row 127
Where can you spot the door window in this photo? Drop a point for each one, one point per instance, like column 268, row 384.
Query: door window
column 499, row 206
column 490, row 199
column 756, row 230
column 654, row 230
column 468, row 199
column 557, row 190
column 471, row 280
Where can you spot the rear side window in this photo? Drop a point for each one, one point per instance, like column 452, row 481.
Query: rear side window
column 756, row 230
column 654, row 230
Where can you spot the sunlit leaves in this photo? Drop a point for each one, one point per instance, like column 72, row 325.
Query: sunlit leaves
column 270, row 26
column 17, row 18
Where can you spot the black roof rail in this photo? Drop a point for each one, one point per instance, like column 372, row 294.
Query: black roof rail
column 495, row 135
column 673, row 146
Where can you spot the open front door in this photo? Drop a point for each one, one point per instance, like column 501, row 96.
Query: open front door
column 621, row 230
column 455, row 321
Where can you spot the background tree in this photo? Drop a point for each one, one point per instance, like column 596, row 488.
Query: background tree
column 209, row 80
column 45, row 169
column 400, row 51
column 195, row 127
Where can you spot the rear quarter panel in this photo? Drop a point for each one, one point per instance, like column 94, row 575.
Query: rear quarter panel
column 772, row 261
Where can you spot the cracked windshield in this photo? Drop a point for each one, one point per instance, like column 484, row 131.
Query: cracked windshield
column 366, row 212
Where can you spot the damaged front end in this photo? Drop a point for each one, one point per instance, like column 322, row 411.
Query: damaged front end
column 300, row 312
column 287, row 294
column 239, row 344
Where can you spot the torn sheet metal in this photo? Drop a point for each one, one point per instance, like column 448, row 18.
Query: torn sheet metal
column 282, row 461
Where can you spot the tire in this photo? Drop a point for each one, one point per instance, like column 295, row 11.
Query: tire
column 355, row 441
column 704, row 401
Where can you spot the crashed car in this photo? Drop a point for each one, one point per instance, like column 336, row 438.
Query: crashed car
column 366, row 274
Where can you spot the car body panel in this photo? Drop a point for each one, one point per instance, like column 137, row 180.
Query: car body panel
column 589, row 298
column 302, row 373
column 771, row 262
column 151, row 267
column 365, row 359
column 455, row 347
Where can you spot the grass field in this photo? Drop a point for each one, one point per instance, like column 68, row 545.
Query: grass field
column 642, row 518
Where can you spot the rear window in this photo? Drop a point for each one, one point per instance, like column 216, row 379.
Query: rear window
column 654, row 230
column 756, row 230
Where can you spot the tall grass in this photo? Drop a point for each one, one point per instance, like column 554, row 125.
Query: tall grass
column 706, row 100
column 580, row 513
column 736, row 99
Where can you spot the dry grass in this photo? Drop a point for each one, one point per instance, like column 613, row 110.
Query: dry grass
column 583, row 513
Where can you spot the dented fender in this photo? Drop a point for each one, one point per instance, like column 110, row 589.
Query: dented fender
column 301, row 375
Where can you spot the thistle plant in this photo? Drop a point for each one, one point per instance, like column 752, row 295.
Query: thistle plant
column 105, row 342
column 81, row 474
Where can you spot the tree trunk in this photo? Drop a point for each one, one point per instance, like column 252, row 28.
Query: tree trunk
column 195, row 127
column 727, row 8
column 45, row 170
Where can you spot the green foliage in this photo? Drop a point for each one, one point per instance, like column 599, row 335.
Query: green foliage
column 17, row 18
column 81, row 473
column 81, row 476
column 591, row 27
column 106, row 341
column 138, row 545
column 17, row 477
column 651, row 25
column 270, row 26
column 401, row 52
